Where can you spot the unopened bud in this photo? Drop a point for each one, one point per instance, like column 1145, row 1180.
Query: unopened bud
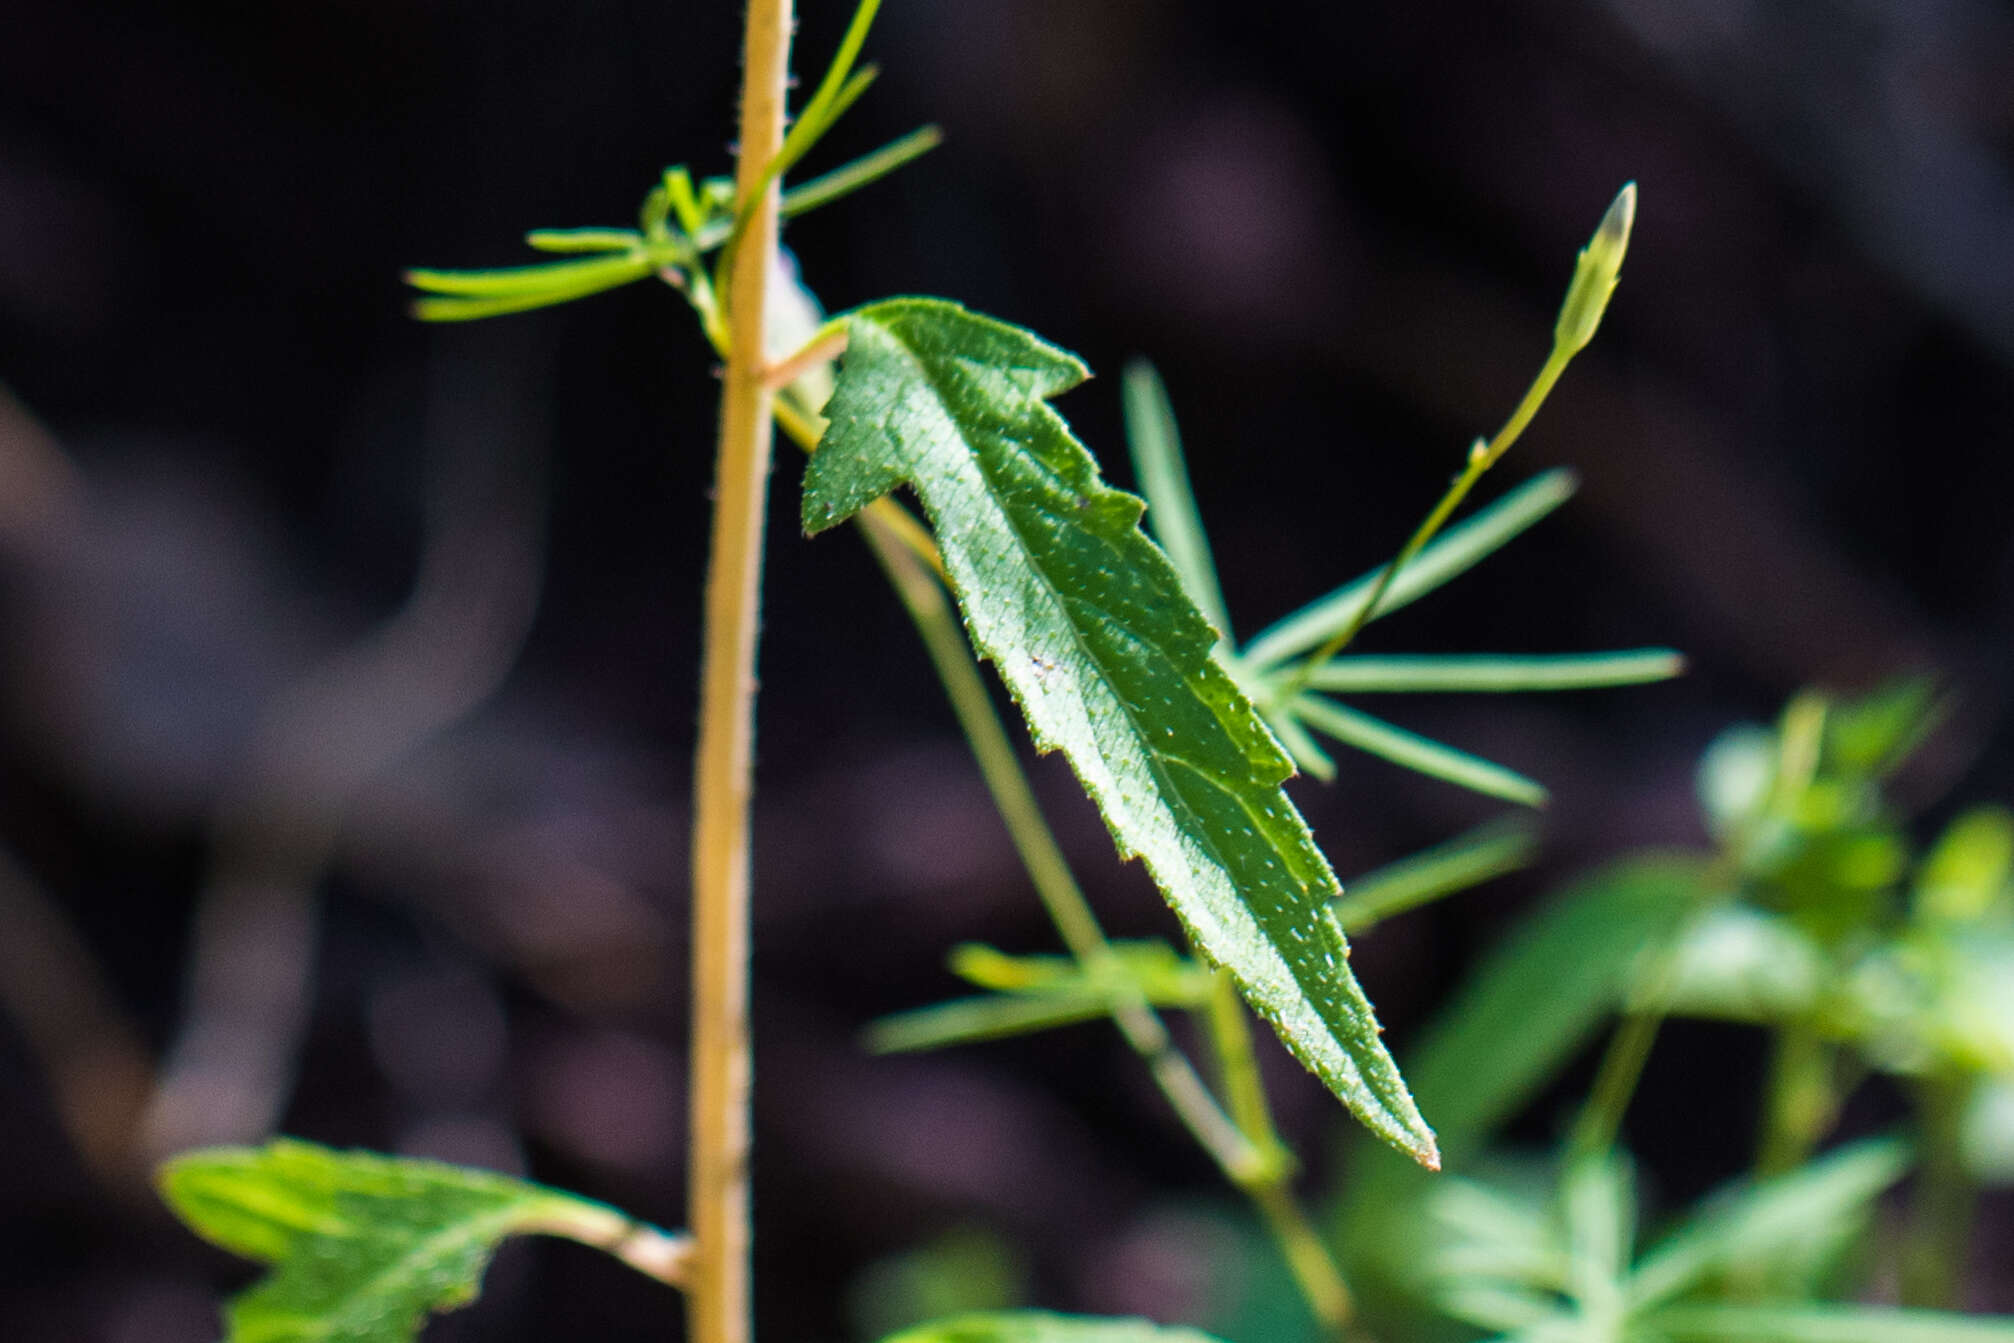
column 1594, row 275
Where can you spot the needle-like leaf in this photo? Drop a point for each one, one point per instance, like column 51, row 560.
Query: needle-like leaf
column 1451, row 554
column 1172, row 515
column 1415, row 752
column 1464, row 861
column 1495, row 673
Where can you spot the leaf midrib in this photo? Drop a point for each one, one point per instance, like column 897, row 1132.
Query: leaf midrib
column 1167, row 789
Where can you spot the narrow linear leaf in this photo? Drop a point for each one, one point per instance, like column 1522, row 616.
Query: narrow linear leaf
column 1824, row 1324
column 1111, row 663
column 585, row 275
column 1032, row 1326
column 990, row 1017
column 1172, row 515
column 365, row 1247
column 1467, row 860
column 1412, row 751
column 583, row 239
column 1776, row 1215
column 1494, row 674
column 1455, row 552
column 868, row 168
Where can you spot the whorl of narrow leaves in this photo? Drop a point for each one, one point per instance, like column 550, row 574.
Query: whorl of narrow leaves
column 365, row 1247
column 1110, row 661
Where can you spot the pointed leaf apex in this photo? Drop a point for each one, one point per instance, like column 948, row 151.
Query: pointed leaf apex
column 1595, row 273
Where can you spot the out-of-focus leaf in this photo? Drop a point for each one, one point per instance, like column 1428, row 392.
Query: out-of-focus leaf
column 1598, row 1206
column 1986, row 1134
column 1965, row 877
column 1091, row 629
column 1823, row 1324
column 966, row 1270
column 1734, row 777
column 1750, row 1228
column 1542, row 992
column 1032, row 1326
column 1519, row 1018
column 1452, row 554
column 1741, row 964
column 1493, row 1239
column 1875, row 733
column 364, row 1247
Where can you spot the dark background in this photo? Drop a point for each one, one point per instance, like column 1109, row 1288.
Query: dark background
column 1341, row 230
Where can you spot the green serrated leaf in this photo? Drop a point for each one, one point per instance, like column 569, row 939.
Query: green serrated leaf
column 364, row 1247
column 1824, row 1324
column 1111, row 662
column 1034, row 1326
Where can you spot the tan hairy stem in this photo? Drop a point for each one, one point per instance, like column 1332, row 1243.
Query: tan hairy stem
column 717, row 1175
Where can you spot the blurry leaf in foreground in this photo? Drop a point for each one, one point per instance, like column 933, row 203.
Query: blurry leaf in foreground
column 967, row 1269
column 1824, row 1324
column 1031, row 1326
column 1745, row 1230
column 364, row 1247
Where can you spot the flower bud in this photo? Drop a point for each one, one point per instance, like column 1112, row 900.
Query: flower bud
column 1594, row 275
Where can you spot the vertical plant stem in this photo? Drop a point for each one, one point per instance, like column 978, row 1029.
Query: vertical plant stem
column 1482, row 456
column 1272, row 1189
column 717, row 1172
column 944, row 639
column 1800, row 1103
column 1938, row 1242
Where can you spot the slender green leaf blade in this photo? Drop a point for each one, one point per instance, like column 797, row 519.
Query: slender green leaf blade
column 1172, row 515
column 587, row 275
column 1456, row 551
column 583, row 239
column 1489, row 850
column 1034, row 1326
column 1824, row 1324
column 1414, row 752
column 1779, row 1214
column 1090, row 628
column 992, row 1016
column 1491, row 673
column 868, row 168
column 363, row 1247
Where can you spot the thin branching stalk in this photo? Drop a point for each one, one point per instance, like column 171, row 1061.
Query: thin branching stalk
column 717, row 1174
